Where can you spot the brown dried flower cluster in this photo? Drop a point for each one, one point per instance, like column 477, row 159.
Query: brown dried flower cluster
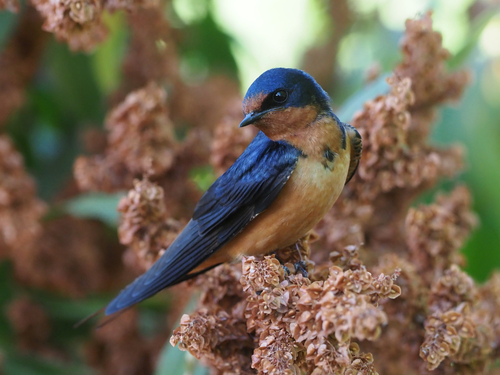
column 338, row 320
column 79, row 22
column 291, row 324
column 140, row 141
column 30, row 324
column 145, row 225
column 459, row 329
column 441, row 316
column 19, row 62
column 336, row 311
column 423, row 57
column 120, row 348
column 397, row 163
column 78, row 258
column 434, row 233
column 68, row 255
column 217, row 338
column 20, row 209
column 10, row 5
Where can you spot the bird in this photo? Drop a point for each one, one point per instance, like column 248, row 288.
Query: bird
column 279, row 188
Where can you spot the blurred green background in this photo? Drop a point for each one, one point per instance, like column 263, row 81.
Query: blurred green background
column 69, row 94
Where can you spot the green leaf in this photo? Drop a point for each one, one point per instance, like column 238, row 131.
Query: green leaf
column 206, row 46
column 73, row 83
column 203, row 177
column 100, row 206
column 108, row 57
column 172, row 361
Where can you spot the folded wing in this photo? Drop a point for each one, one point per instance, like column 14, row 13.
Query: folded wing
column 235, row 199
column 356, row 150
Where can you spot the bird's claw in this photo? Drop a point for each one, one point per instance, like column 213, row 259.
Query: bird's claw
column 301, row 267
column 287, row 270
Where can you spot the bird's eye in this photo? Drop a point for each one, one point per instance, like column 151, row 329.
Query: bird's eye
column 280, row 96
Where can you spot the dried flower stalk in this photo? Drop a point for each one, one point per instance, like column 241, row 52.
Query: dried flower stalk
column 339, row 320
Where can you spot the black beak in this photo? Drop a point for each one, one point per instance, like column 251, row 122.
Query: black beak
column 254, row 116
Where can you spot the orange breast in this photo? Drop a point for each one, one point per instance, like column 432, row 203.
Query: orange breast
column 307, row 196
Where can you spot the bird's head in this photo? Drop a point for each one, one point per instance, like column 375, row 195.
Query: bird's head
column 282, row 101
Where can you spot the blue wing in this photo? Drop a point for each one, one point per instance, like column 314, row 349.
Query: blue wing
column 235, row 199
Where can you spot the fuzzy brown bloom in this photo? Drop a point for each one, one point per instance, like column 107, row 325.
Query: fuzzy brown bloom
column 459, row 335
column 457, row 328
column 434, row 233
column 397, row 163
column 260, row 275
column 78, row 258
column 140, row 141
column 10, row 5
column 442, row 322
column 20, row 209
column 414, row 294
column 299, row 325
column 434, row 85
column 79, row 22
column 140, row 132
column 221, row 287
column 145, row 226
column 389, row 160
column 76, row 22
column 30, row 324
column 217, row 339
column 342, row 306
column 101, row 173
column 119, row 348
column 19, row 62
column 277, row 353
column 452, row 288
column 457, row 320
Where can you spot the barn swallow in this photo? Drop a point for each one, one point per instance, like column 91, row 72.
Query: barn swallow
column 280, row 187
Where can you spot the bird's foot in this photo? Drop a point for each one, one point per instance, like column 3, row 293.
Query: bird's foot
column 301, row 267
column 285, row 268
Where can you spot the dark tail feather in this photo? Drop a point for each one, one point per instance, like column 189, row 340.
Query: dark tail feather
column 108, row 320
column 112, row 309
column 112, row 317
column 87, row 318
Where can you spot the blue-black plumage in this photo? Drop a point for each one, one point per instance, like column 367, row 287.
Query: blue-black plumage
column 239, row 195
